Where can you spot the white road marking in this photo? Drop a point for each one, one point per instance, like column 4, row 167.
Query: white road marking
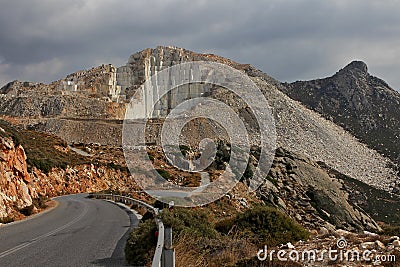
column 28, row 243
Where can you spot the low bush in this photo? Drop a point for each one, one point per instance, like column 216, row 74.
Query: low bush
column 225, row 226
column 184, row 149
column 391, row 230
column 164, row 174
column 6, row 220
column 40, row 202
column 200, row 241
column 265, row 226
column 197, row 222
column 114, row 166
column 141, row 244
column 28, row 210
column 255, row 262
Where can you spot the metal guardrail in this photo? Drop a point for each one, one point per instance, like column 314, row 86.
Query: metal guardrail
column 158, row 254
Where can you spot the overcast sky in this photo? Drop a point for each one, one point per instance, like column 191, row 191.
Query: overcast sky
column 44, row 40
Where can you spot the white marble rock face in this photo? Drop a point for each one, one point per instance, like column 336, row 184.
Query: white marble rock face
column 141, row 67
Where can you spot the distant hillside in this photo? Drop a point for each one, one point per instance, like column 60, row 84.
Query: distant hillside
column 364, row 105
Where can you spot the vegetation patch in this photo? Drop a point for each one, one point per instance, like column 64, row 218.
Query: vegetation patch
column 265, row 226
column 40, row 148
column 6, row 220
column 202, row 240
column 40, row 202
column 28, row 210
column 195, row 222
column 391, row 230
column 164, row 174
column 141, row 244
column 380, row 204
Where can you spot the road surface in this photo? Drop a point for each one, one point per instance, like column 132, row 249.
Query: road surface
column 79, row 232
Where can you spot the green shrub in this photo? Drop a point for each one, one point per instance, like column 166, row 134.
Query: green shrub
column 40, row 202
column 266, row 226
column 159, row 204
column 6, row 220
column 225, row 225
column 151, row 157
column 391, row 230
column 164, row 174
column 272, row 180
column 28, row 210
column 248, row 173
column 43, row 165
column 147, row 216
column 141, row 244
column 194, row 221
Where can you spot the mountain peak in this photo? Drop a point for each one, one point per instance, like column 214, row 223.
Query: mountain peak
column 356, row 65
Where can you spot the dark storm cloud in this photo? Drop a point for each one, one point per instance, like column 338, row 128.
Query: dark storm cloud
column 43, row 40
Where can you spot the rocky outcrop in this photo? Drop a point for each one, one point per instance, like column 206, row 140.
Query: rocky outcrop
column 20, row 189
column 142, row 65
column 364, row 249
column 312, row 196
column 15, row 193
column 80, row 179
column 364, row 105
column 81, row 96
column 99, row 82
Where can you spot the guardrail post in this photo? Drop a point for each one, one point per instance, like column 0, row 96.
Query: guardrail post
column 168, row 255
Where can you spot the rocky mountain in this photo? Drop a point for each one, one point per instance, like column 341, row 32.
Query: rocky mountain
column 362, row 104
column 298, row 128
column 311, row 195
column 86, row 110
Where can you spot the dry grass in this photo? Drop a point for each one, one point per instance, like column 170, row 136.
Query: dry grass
column 222, row 251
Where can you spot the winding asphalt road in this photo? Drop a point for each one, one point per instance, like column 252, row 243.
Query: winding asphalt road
column 78, row 232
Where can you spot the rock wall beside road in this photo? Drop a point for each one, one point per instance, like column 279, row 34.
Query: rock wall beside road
column 15, row 193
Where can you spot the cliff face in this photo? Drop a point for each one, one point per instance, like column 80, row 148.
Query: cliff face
column 361, row 103
column 50, row 168
column 148, row 62
column 14, row 191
